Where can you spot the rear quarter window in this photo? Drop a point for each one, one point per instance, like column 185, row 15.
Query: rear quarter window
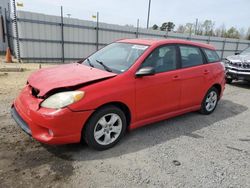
column 211, row 55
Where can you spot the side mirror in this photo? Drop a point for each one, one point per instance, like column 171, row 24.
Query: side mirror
column 145, row 71
column 236, row 53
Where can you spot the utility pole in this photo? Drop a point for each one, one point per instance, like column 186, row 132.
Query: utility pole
column 149, row 5
column 196, row 25
column 62, row 34
column 96, row 16
column 97, row 31
column 137, row 28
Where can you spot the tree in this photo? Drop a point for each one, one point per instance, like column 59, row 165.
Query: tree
column 220, row 31
column 208, row 26
column 199, row 29
column 167, row 26
column 217, row 32
column 189, row 28
column 170, row 26
column 155, row 27
column 163, row 27
column 242, row 33
column 232, row 33
column 180, row 29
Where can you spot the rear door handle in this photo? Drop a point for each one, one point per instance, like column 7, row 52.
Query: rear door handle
column 176, row 77
column 206, row 71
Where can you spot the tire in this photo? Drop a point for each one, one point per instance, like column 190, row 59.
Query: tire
column 229, row 80
column 210, row 101
column 100, row 132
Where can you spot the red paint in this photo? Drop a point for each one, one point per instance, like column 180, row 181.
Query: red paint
column 149, row 99
column 64, row 76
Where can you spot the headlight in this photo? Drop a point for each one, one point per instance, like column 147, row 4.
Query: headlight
column 226, row 62
column 62, row 99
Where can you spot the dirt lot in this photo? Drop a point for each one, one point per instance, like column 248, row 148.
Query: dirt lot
column 210, row 151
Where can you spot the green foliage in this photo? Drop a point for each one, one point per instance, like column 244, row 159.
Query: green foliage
column 163, row 27
column 205, row 28
column 208, row 27
column 232, row 33
column 167, row 26
column 189, row 28
column 155, row 27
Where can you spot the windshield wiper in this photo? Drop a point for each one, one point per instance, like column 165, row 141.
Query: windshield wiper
column 90, row 64
column 104, row 66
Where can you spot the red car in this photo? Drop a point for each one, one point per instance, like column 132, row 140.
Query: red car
column 125, row 85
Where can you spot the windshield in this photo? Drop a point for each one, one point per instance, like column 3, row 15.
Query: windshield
column 246, row 51
column 116, row 57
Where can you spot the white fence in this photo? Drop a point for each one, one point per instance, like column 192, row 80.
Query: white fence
column 46, row 38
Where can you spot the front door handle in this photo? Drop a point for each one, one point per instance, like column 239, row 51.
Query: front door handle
column 206, row 71
column 176, row 77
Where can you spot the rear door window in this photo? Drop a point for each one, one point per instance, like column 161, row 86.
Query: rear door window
column 212, row 55
column 190, row 56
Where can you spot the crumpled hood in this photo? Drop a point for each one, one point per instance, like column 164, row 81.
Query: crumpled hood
column 67, row 75
column 239, row 58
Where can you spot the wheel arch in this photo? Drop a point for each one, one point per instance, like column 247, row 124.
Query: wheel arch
column 117, row 104
column 122, row 106
column 218, row 87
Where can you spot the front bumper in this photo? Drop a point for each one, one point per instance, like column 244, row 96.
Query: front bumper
column 238, row 74
column 48, row 126
column 19, row 120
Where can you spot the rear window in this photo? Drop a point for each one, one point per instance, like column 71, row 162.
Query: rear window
column 212, row 55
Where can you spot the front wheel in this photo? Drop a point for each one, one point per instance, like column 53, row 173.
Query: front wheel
column 210, row 101
column 105, row 128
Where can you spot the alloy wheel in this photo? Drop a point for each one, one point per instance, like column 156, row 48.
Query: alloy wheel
column 107, row 129
column 211, row 101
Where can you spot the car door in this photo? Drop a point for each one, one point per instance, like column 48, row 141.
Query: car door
column 194, row 74
column 159, row 93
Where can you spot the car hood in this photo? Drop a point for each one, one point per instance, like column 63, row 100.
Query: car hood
column 63, row 76
column 239, row 58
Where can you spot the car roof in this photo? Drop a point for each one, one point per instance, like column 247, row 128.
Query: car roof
column 159, row 42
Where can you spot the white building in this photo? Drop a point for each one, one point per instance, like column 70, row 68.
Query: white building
column 3, row 39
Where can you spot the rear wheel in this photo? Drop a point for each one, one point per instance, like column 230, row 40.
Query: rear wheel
column 210, row 101
column 105, row 128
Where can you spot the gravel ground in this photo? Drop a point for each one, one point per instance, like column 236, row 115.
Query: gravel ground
column 191, row 150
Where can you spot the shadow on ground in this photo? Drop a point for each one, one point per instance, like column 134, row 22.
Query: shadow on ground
column 241, row 84
column 151, row 135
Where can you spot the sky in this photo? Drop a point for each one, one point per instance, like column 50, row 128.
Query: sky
column 229, row 12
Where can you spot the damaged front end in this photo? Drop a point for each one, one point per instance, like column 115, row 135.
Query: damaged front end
column 237, row 70
column 47, row 125
column 41, row 109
